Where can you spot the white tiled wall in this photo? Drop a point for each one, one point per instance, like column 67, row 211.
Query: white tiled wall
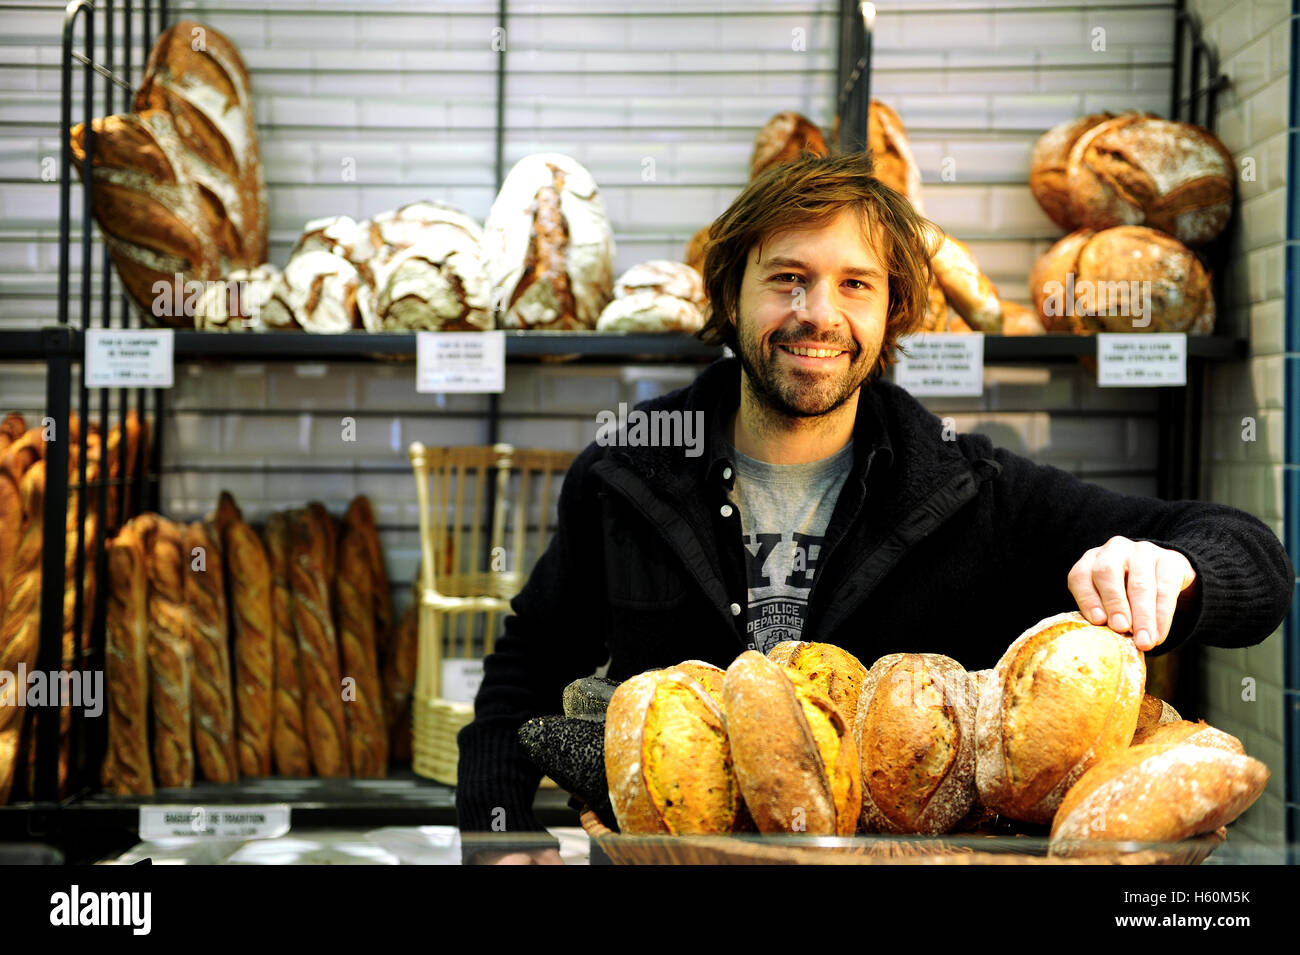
column 1253, row 41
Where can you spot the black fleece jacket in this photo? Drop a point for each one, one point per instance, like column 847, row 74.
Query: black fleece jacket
column 934, row 545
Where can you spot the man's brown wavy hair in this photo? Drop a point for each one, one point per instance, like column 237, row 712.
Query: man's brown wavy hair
column 810, row 192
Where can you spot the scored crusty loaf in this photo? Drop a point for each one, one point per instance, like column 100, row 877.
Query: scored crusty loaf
column 171, row 657
column 117, row 452
column 363, row 706
column 235, row 302
column 1151, row 712
column 664, row 277
column 319, row 292
column 214, row 708
column 150, row 210
column 1199, row 733
column 650, row 312
column 399, row 683
column 667, row 758
column 1049, row 282
column 288, row 732
column 12, row 427
column 1049, row 167
column 251, row 610
column 127, row 663
column 1157, row 793
column 548, row 246
column 782, row 139
column 895, row 166
column 916, row 736
column 1142, row 170
column 318, row 654
column 706, row 675
column 197, row 75
column 794, row 754
column 1064, row 695
column 1136, row 279
column 967, row 289
column 836, row 672
column 360, row 518
column 20, row 619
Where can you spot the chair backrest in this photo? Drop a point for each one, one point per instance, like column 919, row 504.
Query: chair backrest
column 485, row 518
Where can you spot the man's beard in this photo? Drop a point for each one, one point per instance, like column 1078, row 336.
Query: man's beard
column 796, row 395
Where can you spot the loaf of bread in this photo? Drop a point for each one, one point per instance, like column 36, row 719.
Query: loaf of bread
column 319, row 292
column 360, row 519
column 1050, row 284
column 136, row 438
column 548, row 246
column 249, row 575
column 662, row 277
column 439, row 284
column 1049, row 166
column 783, row 139
column 667, row 758
column 1152, row 712
column 20, row 619
column 650, row 312
column 171, row 656
column 24, row 451
column 967, row 289
column 310, row 570
column 127, row 665
column 1156, row 793
column 835, row 672
column 399, row 682
column 288, row 732
column 916, row 736
column 696, row 250
column 1142, row 170
column 936, row 308
column 235, row 302
column 196, row 74
column 1199, row 733
column 706, row 675
column 153, row 216
column 1020, row 319
column 362, row 696
column 214, row 709
column 794, row 753
column 1064, row 695
column 12, row 427
column 895, row 165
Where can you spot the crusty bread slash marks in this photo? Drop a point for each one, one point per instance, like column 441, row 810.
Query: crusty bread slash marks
column 214, row 707
column 288, row 734
column 545, row 260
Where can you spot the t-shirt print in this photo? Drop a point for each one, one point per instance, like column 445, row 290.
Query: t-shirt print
column 781, row 570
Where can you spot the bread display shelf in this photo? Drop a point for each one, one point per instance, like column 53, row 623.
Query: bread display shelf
column 532, row 346
column 974, row 848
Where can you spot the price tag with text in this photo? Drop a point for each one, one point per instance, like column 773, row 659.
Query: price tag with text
column 214, row 822
column 1141, row 360
column 472, row 362
column 129, row 358
column 941, row 364
column 460, row 679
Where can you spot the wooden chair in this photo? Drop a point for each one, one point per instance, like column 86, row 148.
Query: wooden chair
column 485, row 515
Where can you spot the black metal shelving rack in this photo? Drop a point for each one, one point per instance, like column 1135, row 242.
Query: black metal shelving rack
column 87, row 823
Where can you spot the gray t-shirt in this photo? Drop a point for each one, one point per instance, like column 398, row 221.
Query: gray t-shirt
column 784, row 510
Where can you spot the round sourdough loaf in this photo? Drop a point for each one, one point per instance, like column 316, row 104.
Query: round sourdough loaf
column 319, row 292
column 667, row 758
column 1152, row 712
column 1199, row 733
column 1132, row 278
column 650, row 311
column 916, row 735
column 664, row 278
column 1141, row 170
column 782, row 139
column 548, row 246
column 438, row 283
column 1049, row 166
column 235, row 302
column 1157, row 793
column 837, row 673
column 795, row 758
column 1065, row 695
column 1049, row 282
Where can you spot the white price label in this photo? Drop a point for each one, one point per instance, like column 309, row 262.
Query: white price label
column 473, row 362
column 129, row 358
column 1141, row 360
column 214, row 822
column 939, row 364
column 460, row 680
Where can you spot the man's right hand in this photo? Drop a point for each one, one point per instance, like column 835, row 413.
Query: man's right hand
column 528, row 857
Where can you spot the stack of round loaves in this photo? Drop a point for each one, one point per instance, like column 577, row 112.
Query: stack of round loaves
column 808, row 740
column 1138, row 193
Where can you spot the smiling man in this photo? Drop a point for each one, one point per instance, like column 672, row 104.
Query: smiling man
column 829, row 505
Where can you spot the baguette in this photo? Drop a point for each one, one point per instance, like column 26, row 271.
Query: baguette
column 360, row 519
column 317, row 644
column 20, row 624
column 288, row 734
column 967, row 289
column 205, row 595
column 250, row 598
column 667, row 758
column 364, row 712
column 127, row 663
column 399, row 682
column 794, row 754
column 1200, row 733
column 171, row 657
column 1156, row 793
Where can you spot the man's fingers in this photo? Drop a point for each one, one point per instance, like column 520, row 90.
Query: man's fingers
column 1174, row 573
column 1081, row 586
column 1144, row 587
column 1108, row 571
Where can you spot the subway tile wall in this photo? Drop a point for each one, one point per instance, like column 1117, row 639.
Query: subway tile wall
column 1245, row 408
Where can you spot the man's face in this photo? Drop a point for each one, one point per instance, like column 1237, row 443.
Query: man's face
column 812, row 316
